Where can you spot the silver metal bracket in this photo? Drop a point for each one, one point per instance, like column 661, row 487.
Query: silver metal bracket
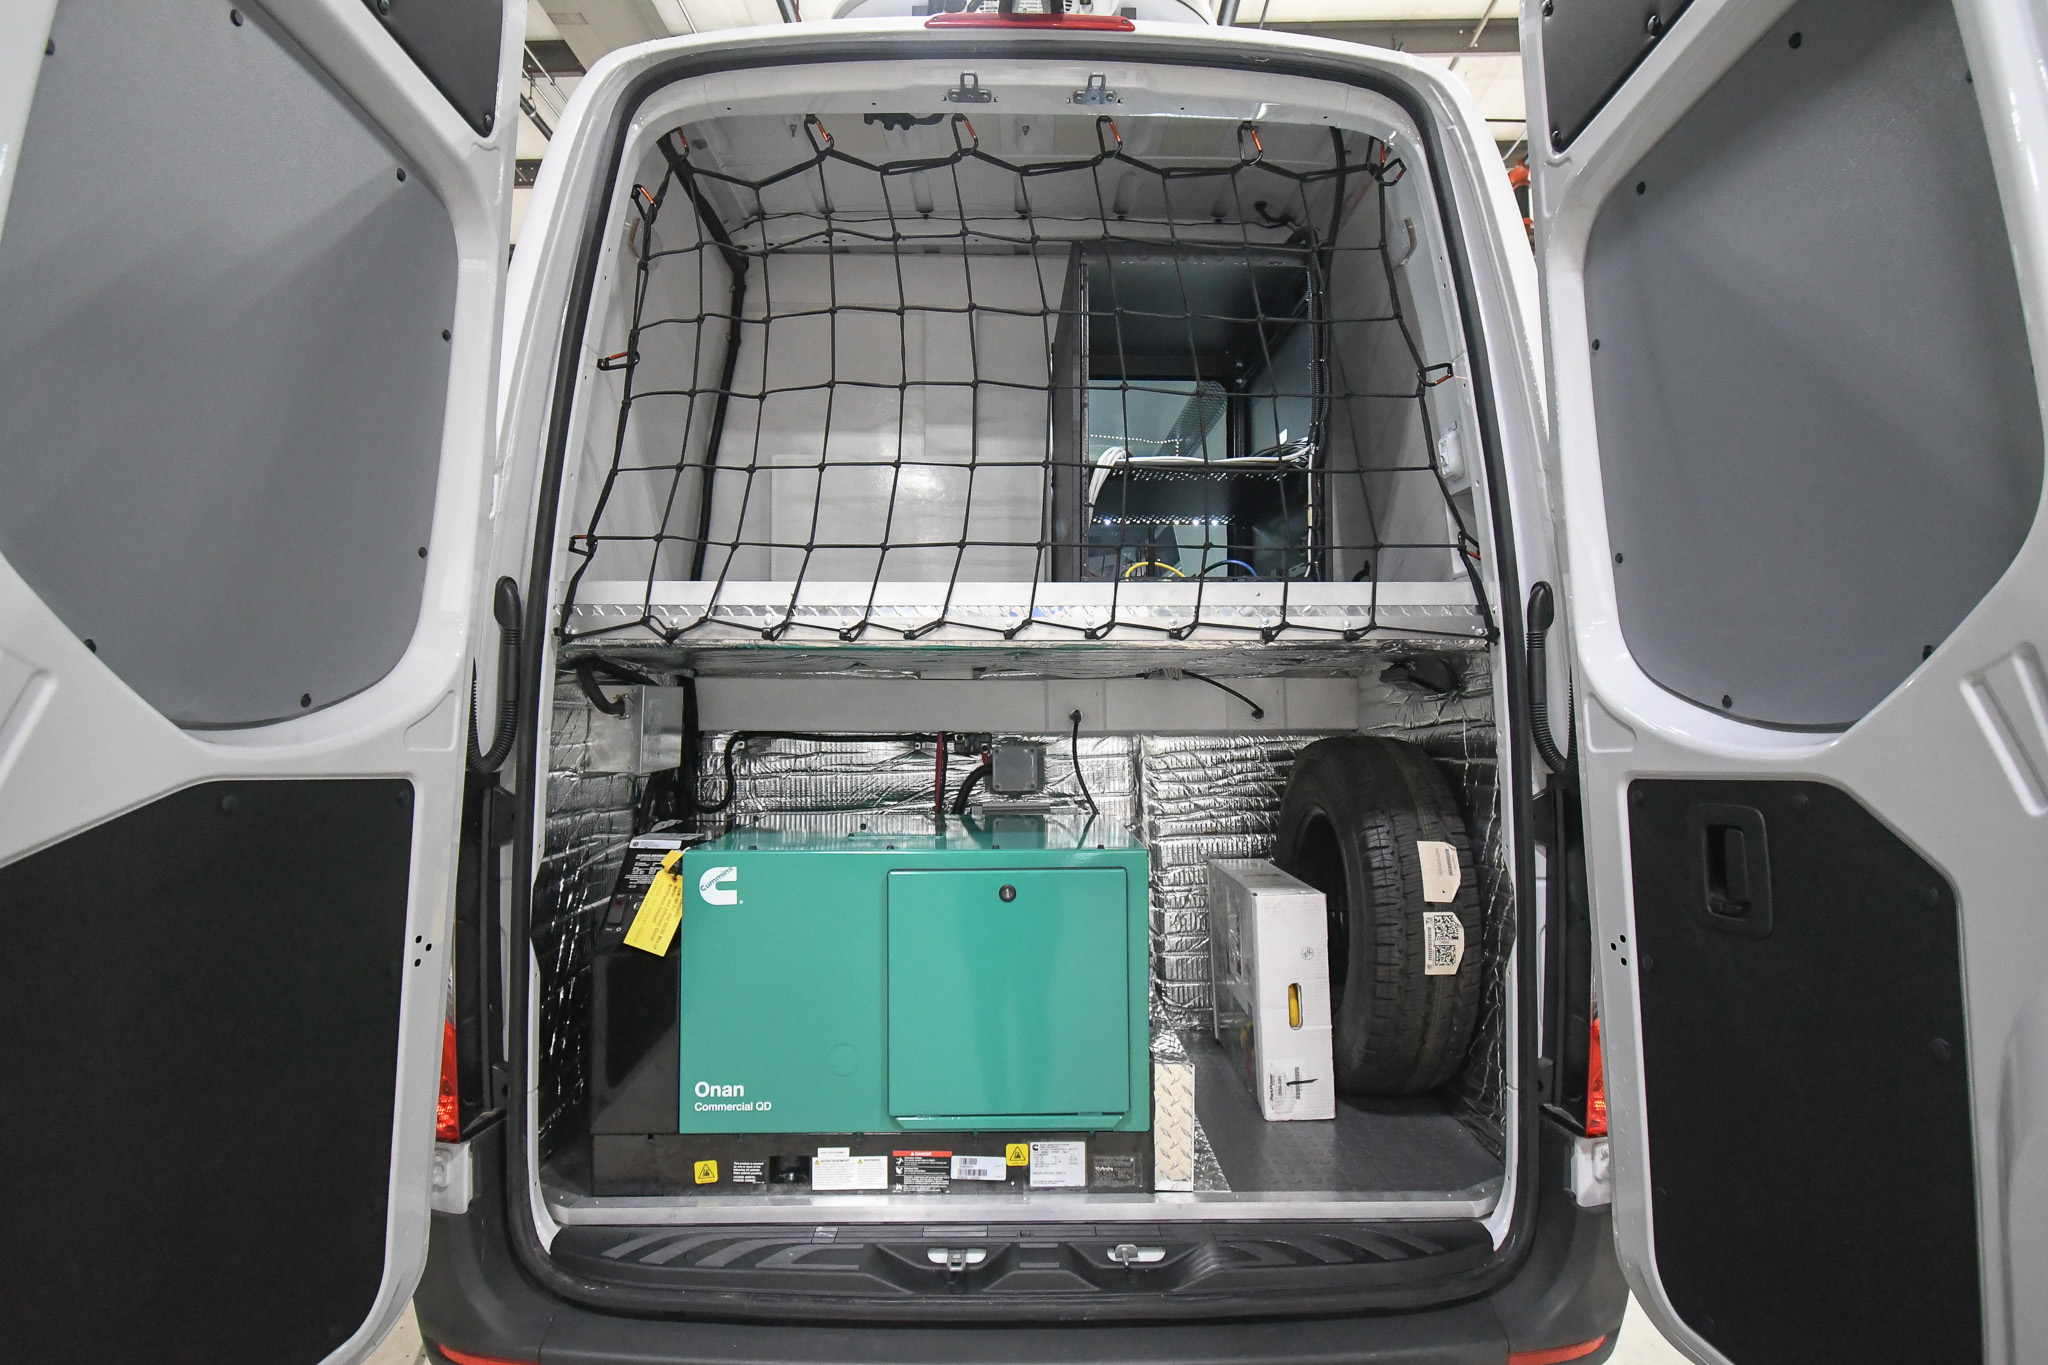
column 1127, row 1254
column 970, row 91
column 1097, row 91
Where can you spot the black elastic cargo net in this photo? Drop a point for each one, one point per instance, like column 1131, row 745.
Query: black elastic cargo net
column 962, row 369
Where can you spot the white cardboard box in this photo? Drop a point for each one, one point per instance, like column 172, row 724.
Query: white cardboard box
column 1270, row 950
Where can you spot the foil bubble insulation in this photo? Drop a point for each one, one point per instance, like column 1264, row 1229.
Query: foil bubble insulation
column 859, row 781
column 1204, row 796
column 589, row 821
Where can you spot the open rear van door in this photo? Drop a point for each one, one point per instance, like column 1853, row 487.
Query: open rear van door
column 251, row 275
column 1794, row 260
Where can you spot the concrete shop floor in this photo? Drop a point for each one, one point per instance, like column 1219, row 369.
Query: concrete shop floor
column 1640, row 1343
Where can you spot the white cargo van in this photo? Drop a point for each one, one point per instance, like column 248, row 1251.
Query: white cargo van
column 941, row 426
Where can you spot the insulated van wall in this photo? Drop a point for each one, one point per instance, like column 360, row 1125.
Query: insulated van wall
column 873, row 403
column 632, row 475
column 1383, row 484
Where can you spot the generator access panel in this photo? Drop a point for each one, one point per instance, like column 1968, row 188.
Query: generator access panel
column 968, row 978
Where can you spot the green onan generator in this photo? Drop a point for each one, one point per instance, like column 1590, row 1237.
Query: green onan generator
column 965, row 978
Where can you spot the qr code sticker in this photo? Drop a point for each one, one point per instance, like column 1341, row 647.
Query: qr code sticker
column 1443, row 943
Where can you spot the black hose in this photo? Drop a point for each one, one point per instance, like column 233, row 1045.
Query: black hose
column 1258, row 711
column 505, row 607
column 586, row 678
column 1079, row 776
column 1542, row 612
column 960, row 801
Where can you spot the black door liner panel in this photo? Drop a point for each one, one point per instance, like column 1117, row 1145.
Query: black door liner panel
column 201, row 1024
column 1805, row 1073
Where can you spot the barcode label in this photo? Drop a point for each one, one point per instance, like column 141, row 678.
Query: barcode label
column 1443, row 943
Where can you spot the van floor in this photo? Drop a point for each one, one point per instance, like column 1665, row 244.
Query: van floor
column 1392, row 1146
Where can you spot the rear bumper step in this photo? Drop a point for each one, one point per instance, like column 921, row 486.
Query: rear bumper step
column 1023, row 1261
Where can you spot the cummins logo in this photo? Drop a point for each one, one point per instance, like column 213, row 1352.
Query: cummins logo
column 713, row 888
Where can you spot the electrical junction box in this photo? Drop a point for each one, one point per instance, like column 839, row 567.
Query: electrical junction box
column 977, row 978
column 1016, row 767
column 645, row 737
column 1269, row 941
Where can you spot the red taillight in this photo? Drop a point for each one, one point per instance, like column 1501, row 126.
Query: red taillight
column 1555, row 1355
column 1596, row 1094
column 448, row 1113
column 471, row 1358
column 1112, row 23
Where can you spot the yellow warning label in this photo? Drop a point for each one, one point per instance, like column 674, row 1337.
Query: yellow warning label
column 1017, row 1154
column 707, row 1173
column 661, row 910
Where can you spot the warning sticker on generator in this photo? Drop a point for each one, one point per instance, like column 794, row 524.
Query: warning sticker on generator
column 749, row 1172
column 920, row 1172
column 1440, row 871
column 1443, row 937
column 835, row 1168
column 645, row 857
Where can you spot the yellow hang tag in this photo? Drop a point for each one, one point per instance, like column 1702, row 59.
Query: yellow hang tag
column 1017, row 1154
column 661, row 909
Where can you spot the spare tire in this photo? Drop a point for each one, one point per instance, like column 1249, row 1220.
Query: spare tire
column 1355, row 811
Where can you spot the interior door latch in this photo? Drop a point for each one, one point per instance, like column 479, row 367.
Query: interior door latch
column 1731, row 861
